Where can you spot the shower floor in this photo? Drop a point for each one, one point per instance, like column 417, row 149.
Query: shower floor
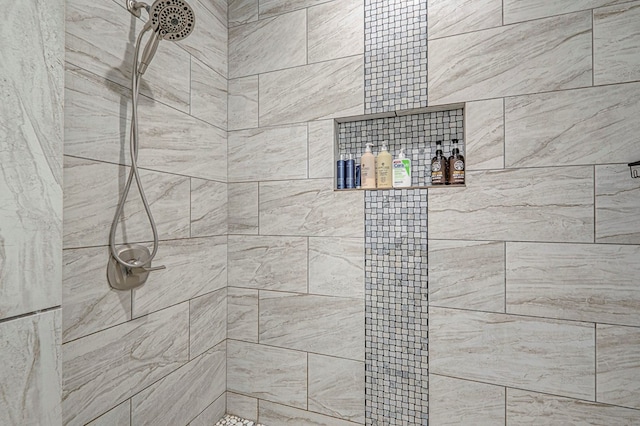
column 230, row 420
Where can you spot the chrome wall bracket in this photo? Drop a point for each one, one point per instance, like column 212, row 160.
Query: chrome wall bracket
column 135, row 7
column 124, row 278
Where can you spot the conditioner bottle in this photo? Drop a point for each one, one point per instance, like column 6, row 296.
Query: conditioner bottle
column 384, row 162
column 456, row 165
column 438, row 166
column 368, row 169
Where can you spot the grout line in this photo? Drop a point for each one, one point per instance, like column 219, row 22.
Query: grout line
column 28, row 314
column 595, row 210
column 593, row 49
column 595, row 362
column 505, row 275
column 504, row 133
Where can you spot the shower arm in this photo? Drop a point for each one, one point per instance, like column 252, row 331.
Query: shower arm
column 136, row 6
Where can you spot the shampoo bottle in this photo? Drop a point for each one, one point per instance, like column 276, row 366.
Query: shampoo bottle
column 351, row 172
column 341, row 173
column 456, row 165
column 401, row 171
column 368, row 169
column 384, row 162
column 438, row 166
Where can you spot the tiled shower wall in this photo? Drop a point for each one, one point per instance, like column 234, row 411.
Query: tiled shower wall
column 156, row 354
column 31, row 89
column 533, row 266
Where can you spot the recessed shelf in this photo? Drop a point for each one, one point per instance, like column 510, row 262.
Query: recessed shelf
column 408, row 187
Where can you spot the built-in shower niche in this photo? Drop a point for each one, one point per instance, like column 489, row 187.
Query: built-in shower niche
column 416, row 131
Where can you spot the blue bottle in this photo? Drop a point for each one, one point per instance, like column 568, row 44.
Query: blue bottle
column 358, row 181
column 351, row 172
column 341, row 173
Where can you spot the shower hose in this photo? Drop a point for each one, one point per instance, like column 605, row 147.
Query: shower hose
column 133, row 172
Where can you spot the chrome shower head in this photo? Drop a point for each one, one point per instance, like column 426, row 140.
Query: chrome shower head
column 169, row 20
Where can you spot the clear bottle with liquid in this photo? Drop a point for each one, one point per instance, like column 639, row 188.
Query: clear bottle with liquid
column 384, row 162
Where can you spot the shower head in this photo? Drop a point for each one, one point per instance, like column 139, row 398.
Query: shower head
column 169, row 20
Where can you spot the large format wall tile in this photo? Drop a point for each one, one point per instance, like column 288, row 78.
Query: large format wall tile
column 537, row 354
column 242, row 406
column 243, row 208
column 268, row 45
column 546, row 204
column 617, row 204
column 324, row 90
column 106, row 368
column 484, row 143
column 618, row 365
column 194, row 267
column 31, row 156
column 242, row 11
column 321, row 144
column 447, row 18
column 275, row 7
column 208, row 208
column 268, row 153
column 467, row 275
column 336, row 30
column 527, row 408
column 319, row 324
column 336, row 267
column 118, row 416
column 89, row 303
column 281, row 415
column 572, row 127
column 458, row 402
column 310, row 207
column 92, row 191
column 336, row 387
column 583, row 282
column 516, row 10
column 242, row 317
column 616, row 43
column 243, row 103
column 208, row 94
column 268, row 263
column 207, row 321
column 30, row 382
column 553, row 54
column 183, row 394
column 273, row 374
column 212, row 413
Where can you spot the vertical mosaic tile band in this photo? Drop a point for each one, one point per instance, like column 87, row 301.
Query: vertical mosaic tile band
column 416, row 133
column 396, row 344
column 395, row 72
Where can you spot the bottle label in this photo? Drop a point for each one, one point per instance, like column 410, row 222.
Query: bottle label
column 457, row 174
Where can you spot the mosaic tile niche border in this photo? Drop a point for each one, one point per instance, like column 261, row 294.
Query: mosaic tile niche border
column 395, row 70
column 416, row 133
column 396, row 310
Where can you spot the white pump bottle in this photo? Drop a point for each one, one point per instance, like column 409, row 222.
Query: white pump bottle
column 368, row 169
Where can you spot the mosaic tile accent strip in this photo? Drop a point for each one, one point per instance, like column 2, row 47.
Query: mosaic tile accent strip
column 416, row 133
column 396, row 323
column 395, row 72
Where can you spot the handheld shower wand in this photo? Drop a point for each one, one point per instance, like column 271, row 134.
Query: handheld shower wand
column 129, row 267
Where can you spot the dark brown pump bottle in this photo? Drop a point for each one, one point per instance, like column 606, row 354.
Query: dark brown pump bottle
column 438, row 166
column 456, row 165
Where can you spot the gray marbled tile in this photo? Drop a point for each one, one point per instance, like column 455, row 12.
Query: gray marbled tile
column 324, row 90
column 456, row 402
column 538, row 354
column 208, row 94
column 525, row 407
column 336, row 266
column 118, row 416
column 219, row 8
column 242, row 406
column 212, row 413
column 242, row 12
column 100, row 38
column 99, row 371
column 185, row 393
column 583, row 282
column 208, row 208
column 583, row 126
column 281, row 415
column 516, row 10
column 617, row 203
column 276, row 7
column 616, row 43
column 242, row 317
column 194, row 267
column 268, row 45
column 243, row 208
column 268, row 373
column 321, row 145
column 545, row 204
column 447, row 18
column 31, row 113
column 336, row 387
column 310, row 207
column 335, row 30
column 268, row 263
column 618, row 366
column 91, row 192
column 319, row 324
column 207, row 322
column 89, row 303
column 467, row 275
column 243, row 103
column 268, row 153
column 30, row 382
column 484, row 139
column 208, row 41
column 554, row 53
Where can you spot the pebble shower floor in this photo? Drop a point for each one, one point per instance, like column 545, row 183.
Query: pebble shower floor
column 230, row 420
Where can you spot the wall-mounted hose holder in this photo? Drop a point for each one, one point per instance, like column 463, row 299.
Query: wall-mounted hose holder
column 125, row 278
column 635, row 169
